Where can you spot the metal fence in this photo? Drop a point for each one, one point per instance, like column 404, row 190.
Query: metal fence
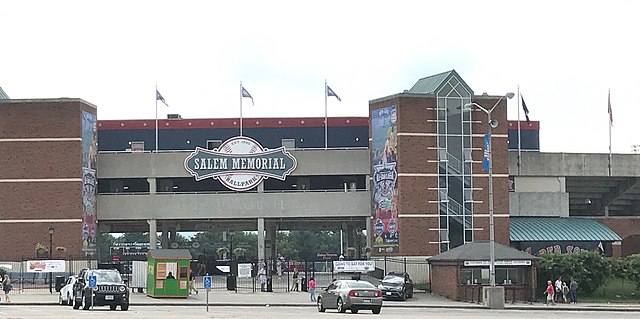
column 24, row 279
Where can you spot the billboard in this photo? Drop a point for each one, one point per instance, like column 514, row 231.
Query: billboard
column 89, row 182
column 384, row 195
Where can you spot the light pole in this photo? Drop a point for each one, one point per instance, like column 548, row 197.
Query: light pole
column 50, row 255
column 492, row 243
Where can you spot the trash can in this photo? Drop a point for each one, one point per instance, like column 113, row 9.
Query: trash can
column 303, row 283
column 59, row 283
column 231, row 282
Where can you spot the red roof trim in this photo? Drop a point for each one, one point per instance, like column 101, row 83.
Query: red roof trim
column 534, row 125
column 230, row 123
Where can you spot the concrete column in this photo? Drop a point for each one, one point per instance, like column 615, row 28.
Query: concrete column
column 153, row 233
column 368, row 183
column 152, row 185
column 260, row 239
column 271, row 234
column 261, row 187
column 165, row 236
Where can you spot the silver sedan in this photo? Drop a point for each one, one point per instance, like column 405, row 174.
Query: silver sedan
column 350, row 294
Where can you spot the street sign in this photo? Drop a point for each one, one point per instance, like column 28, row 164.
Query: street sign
column 93, row 283
column 207, row 282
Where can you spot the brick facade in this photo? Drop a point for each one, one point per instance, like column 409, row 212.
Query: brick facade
column 41, row 176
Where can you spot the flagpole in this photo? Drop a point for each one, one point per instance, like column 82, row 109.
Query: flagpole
column 240, row 108
column 156, row 117
column 519, row 145
column 610, row 124
column 325, row 114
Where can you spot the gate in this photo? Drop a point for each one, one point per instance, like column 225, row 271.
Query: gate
column 25, row 277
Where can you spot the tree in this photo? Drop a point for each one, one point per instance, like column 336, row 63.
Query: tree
column 104, row 246
column 589, row 269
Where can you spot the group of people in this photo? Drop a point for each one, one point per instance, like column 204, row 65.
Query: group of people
column 561, row 292
column 5, row 282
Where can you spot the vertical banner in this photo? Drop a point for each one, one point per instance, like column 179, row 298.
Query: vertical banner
column 384, row 195
column 486, row 152
column 89, row 182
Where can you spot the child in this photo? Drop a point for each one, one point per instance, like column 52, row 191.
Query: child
column 565, row 292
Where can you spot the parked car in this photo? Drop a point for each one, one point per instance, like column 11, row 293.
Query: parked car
column 396, row 286
column 350, row 294
column 66, row 292
column 111, row 290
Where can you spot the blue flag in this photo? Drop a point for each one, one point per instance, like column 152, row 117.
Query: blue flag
column 331, row 93
column 245, row 93
column 486, row 152
column 160, row 98
column 525, row 109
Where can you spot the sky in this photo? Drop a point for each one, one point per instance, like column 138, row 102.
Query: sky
column 563, row 56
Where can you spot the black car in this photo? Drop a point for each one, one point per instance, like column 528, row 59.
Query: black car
column 396, row 286
column 110, row 291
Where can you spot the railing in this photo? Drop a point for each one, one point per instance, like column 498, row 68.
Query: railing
column 191, row 150
column 236, row 192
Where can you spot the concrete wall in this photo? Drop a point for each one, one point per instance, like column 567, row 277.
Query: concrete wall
column 171, row 164
column 539, row 204
column 540, row 184
column 574, row 164
column 234, row 205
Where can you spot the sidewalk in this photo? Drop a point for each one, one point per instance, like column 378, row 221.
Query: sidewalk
column 301, row 299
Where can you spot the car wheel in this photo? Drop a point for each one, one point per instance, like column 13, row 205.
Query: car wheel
column 403, row 295
column 69, row 300
column 86, row 301
column 376, row 310
column 113, row 307
column 61, row 302
column 320, row 306
column 124, row 307
column 341, row 307
column 354, row 310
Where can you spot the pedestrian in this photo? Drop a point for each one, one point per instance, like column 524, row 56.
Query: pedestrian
column 312, row 289
column 550, row 292
column 262, row 276
column 192, row 282
column 6, row 286
column 558, row 286
column 296, row 280
column 573, row 288
column 279, row 266
column 565, row 292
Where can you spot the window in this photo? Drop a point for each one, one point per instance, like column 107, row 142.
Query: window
column 137, row 146
column 212, row 144
column 289, row 143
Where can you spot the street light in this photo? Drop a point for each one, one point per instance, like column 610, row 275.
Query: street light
column 50, row 256
column 492, row 243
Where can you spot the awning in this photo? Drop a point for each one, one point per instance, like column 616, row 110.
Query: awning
column 557, row 229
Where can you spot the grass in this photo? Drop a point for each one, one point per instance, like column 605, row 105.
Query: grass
column 614, row 291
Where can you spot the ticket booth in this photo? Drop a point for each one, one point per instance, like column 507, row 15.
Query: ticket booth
column 168, row 273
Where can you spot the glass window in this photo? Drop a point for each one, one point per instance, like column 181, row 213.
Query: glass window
column 212, row 144
column 289, row 143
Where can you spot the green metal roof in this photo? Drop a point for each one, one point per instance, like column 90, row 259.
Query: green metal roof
column 3, row 95
column 433, row 83
column 559, row 229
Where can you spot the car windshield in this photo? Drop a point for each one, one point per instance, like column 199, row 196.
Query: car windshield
column 360, row 284
column 393, row 280
column 106, row 276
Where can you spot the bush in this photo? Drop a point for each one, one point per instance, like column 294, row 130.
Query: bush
column 631, row 266
column 589, row 269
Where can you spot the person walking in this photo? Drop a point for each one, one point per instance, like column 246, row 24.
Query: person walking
column 296, row 280
column 558, row 294
column 550, row 292
column 6, row 286
column 573, row 288
column 565, row 292
column 312, row 289
column 192, row 282
column 262, row 276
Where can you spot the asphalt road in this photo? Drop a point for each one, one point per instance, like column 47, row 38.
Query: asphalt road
column 149, row 312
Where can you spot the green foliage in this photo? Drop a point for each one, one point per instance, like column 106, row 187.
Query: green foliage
column 589, row 269
column 632, row 266
column 305, row 244
column 104, row 247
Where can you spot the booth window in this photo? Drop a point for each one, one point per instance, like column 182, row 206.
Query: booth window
column 211, row 144
column 184, row 272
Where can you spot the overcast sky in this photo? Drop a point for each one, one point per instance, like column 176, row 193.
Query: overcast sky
column 564, row 55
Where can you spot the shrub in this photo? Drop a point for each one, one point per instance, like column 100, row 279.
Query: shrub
column 589, row 269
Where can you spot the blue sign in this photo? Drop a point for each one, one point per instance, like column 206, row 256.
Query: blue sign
column 93, row 284
column 207, row 282
column 486, row 153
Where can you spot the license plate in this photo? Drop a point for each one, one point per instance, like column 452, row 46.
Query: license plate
column 388, row 293
column 366, row 300
column 108, row 297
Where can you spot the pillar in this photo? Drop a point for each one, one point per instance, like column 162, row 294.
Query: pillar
column 153, row 233
column 260, row 239
column 367, row 222
column 152, row 185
